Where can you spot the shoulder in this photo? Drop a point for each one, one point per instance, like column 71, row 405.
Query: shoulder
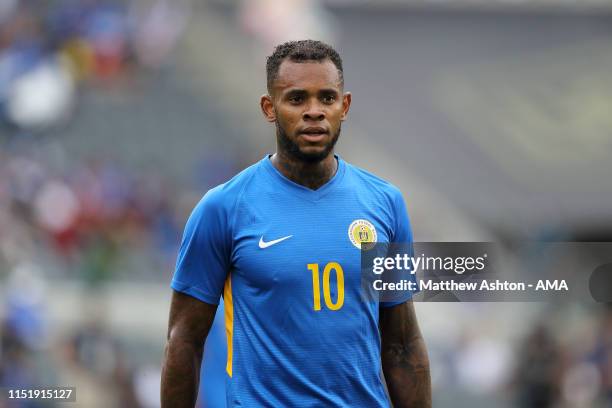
column 221, row 200
column 370, row 182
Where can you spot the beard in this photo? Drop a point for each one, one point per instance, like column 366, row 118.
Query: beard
column 292, row 149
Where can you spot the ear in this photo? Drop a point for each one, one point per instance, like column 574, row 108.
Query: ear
column 267, row 108
column 346, row 105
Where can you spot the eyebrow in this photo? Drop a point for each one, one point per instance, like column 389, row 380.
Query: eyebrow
column 296, row 91
column 301, row 92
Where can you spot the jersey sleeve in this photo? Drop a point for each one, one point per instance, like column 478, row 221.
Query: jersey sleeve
column 402, row 232
column 401, row 242
column 203, row 260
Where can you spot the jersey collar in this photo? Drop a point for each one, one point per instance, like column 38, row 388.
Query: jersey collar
column 303, row 191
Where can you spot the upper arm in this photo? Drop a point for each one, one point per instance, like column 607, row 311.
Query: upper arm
column 401, row 242
column 398, row 324
column 402, row 230
column 204, row 256
column 190, row 318
column 404, row 357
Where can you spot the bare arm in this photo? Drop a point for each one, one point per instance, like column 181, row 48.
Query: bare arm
column 404, row 357
column 190, row 321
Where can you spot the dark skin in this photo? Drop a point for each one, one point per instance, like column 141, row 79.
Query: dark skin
column 404, row 357
column 189, row 324
column 307, row 104
column 306, row 98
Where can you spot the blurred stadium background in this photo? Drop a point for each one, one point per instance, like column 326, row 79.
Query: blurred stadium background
column 494, row 117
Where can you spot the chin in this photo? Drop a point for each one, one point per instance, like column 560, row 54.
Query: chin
column 314, row 155
column 303, row 150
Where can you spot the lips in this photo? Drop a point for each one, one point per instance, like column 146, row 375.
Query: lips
column 313, row 134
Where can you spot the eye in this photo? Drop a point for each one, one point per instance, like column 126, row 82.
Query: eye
column 295, row 99
column 329, row 99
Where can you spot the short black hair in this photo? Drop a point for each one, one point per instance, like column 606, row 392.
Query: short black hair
column 301, row 51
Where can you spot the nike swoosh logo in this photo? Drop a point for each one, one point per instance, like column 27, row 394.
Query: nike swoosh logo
column 263, row 244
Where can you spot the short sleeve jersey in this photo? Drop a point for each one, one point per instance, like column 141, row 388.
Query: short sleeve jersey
column 286, row 259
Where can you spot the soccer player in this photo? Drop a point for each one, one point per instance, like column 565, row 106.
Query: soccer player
column 281, row 243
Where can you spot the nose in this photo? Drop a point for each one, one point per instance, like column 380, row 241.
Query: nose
column 314, row 111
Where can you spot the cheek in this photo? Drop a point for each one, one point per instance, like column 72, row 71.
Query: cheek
column 288, row 118
column 335, row 116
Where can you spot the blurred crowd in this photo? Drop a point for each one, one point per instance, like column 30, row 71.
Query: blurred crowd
column 79, row 220
column 48, row 49
column 271, row 22
column 562, row 360
column 88, row 357
column 90, row 219
column 83, row 215
column 80, row 212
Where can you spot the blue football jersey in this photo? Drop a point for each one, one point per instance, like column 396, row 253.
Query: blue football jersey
column 286, row 260
column 212, row 378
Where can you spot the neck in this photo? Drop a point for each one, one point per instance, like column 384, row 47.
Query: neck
column 311, row 175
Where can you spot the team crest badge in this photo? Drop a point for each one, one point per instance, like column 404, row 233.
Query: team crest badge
column 362, row 232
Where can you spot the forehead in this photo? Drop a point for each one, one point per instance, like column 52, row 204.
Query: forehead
column 307, row 75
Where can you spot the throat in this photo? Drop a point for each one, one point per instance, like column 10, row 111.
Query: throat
column 309, row 175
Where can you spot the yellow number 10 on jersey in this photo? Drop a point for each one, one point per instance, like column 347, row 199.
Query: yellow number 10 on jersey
column 314, row 268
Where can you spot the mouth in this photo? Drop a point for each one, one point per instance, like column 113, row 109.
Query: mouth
column 313, row 134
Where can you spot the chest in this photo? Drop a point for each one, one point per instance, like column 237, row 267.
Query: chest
column 280, row 243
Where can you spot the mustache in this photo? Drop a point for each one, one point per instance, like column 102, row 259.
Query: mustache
column 292, row 149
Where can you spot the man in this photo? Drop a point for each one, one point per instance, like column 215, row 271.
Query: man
column 281, row 241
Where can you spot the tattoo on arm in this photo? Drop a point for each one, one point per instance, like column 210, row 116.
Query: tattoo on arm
column 404, row 357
